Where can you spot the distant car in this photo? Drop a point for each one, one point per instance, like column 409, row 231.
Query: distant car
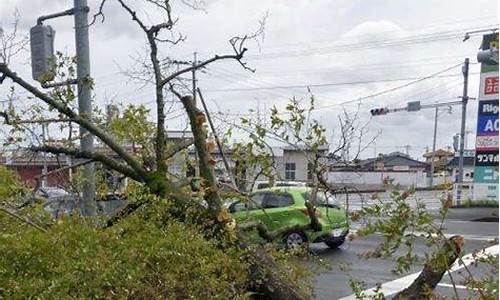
column 259, row 185
column 57, row 201
column 60, row 202
column 281, row 207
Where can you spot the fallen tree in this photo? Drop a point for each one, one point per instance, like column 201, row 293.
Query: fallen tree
column 422, row 287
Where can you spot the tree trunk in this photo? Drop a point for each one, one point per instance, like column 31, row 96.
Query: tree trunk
column 433, row 271
column 269, row 279
column 206, row 162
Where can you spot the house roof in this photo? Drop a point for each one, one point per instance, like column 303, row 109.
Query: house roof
column 396, row 159
column 439, row 152
column 27, row 158
column 304, row 147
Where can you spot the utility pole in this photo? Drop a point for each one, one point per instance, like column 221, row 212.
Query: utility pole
column 434, row 147
column 221, row 150
column 81, row 11
column 465, row 98
column 193, row 72
column 42, row 52
column 194, row 77
column 407, row 149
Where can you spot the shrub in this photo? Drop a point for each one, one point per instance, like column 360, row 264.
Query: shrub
column 139, row 258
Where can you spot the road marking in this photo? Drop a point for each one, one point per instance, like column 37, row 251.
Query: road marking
column 458, row 286
column 394, row 286
column 472, row 237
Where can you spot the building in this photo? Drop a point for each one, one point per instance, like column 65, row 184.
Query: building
column 371, row 173
column 177, row 164
column 395, row 161
column 294, row 164
column 291, row 163
column 30, row 166
column 441, row 158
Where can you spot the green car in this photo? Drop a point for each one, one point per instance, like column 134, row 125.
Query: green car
column 281, row 207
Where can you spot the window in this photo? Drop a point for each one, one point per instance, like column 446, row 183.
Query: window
column 273, row 200
column 255, row 203
column 238, row 206
column 310, row 168
column 290, row 171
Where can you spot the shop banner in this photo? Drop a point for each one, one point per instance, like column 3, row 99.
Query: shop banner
column 486, row 157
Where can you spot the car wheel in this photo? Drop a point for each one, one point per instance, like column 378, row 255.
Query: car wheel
column 294, row 240
column 334, row 244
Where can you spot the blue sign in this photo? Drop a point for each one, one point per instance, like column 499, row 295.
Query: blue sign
column 488, row 108
column 487, row 125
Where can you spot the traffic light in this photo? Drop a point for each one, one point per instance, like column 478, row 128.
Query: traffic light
column 379, row 111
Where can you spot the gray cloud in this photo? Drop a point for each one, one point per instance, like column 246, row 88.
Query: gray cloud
column 320, row 31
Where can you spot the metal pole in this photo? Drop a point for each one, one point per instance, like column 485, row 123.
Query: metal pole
column 194, row 77
column 226, row 164
column 465, row 98
column 434, row 147
column 81, row 11
column 45, row 168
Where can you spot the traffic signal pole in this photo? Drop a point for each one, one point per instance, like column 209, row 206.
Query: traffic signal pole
column 84, row 101
column 41, row 40
column 416, row 106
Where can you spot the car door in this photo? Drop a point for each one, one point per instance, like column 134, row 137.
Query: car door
column 276, row 207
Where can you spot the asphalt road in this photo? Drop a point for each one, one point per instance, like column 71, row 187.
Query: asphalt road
column 346, row 262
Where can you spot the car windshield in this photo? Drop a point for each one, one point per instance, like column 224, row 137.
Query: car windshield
column 324, row 199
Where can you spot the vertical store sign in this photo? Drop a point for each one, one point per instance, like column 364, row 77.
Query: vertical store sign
column 486, row 161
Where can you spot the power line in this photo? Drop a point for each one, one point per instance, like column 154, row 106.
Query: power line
column 374, row 94
column 348, row 47
column 390, row 89
column 428, row 61
column 350, row 38
column 327, row 84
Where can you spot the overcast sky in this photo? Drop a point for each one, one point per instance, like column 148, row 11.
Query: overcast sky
column 344, row 50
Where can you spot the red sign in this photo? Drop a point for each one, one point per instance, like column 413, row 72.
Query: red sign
column 491, row 85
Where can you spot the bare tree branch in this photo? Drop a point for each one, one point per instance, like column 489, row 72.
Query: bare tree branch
column 99, row 14
column 179, row 147
column 202, row 64
column 95, row 156
column 10, row 43
column 87, row 124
